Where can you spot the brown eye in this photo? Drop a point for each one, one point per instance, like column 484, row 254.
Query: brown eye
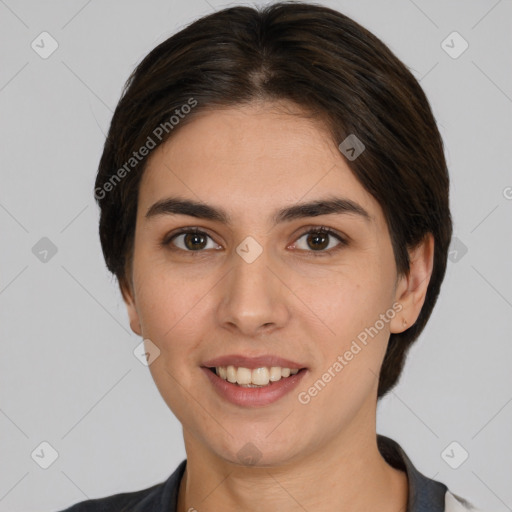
column 194, row 241
column 318, row 240
column 321, row 241
column 191, row 240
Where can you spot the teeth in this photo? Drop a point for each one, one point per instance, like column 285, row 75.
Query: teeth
column 253, row 378
column 243, row 376
column 275, row 374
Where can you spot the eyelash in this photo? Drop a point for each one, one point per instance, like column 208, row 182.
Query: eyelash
column 311, row 230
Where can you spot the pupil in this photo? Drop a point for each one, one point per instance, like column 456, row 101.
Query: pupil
column 195, row 240
column 317, row 239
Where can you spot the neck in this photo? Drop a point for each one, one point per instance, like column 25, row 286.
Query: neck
column 347, row 473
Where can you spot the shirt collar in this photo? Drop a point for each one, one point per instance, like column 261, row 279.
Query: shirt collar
column 425, row 494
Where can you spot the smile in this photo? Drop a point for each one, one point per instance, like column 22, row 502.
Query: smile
column 253, row 395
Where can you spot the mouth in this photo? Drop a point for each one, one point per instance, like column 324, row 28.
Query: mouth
column 232, row 383
column 251, row 380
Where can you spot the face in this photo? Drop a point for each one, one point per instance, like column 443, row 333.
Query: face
column 287, row 290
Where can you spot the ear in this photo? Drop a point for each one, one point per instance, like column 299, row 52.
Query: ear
column 128, row 297
column 411, row 289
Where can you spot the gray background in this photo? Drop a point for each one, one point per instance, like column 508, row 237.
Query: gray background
column 68, row 373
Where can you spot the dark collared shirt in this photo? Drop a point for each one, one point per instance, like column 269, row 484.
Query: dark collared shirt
column 425, row 495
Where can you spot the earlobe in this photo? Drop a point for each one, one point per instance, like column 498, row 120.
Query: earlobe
column 133, row 315
column 411, row 289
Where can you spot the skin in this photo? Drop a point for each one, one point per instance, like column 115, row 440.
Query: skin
column 253, row 160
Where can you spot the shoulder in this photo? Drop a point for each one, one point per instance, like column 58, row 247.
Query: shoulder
column 454, row 503
column 160, row 497
column 424, row 493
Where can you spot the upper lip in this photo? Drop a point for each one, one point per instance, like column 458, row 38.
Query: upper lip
column 252, row 362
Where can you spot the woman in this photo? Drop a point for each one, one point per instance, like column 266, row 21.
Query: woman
column 275, row 205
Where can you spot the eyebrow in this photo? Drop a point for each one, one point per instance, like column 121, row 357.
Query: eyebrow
column 327, row 206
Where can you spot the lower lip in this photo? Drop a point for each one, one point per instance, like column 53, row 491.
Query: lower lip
column 254, row 397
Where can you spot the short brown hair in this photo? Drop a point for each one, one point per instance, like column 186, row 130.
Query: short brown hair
column 331, row 67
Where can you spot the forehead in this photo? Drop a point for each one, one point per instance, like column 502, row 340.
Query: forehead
column 250, row 159
column 258, row 132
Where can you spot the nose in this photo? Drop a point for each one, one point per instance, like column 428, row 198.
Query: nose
column 254, row 299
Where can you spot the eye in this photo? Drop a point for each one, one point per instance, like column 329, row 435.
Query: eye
column 321, row 241
column 318, row 241
column 191, row 240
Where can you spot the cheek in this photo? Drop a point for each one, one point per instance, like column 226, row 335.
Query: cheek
column 354, row 333
column 172, row 315
column 171, row 310
column 347, row 301
column 351, row 355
